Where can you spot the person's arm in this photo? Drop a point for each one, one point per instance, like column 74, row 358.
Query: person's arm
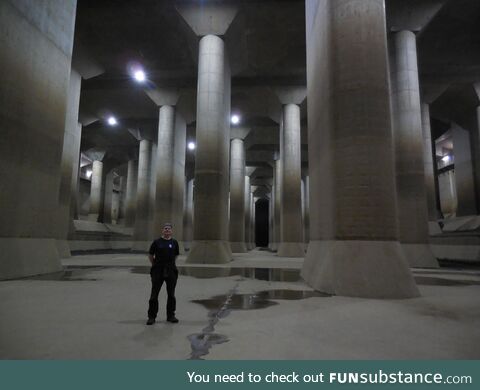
column 177, row 249
column 151, row 253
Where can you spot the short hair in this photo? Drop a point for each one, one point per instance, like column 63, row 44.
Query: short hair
column 167, row 224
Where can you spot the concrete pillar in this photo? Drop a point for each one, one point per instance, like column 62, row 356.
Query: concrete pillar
column 277, row 197
column 131, row 193
column 354, row 248
column 248, row 215
column 291, row 241
column 188, row 216
column 237, row 196
column 36, row 49
column 252, row 221
column 121, row 199
column 170, row 173
column 211, row 243
column 97, row 191
column 70, row 157
column 74, row 208
column 409, row 153
column 464, row 179
column 271, row 222
column 108, row 198
column 306, row 209
column 429, row 170
column 141, row 232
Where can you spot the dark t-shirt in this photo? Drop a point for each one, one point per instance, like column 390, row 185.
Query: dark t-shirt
column 164, row 252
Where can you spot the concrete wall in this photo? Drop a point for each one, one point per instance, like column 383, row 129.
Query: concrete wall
column 36, row 48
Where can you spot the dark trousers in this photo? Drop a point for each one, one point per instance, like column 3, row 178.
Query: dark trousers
column 158, row 276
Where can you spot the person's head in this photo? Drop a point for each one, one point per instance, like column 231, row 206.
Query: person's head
column 167, row 230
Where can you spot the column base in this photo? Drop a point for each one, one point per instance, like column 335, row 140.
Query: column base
column 209, row 252
column 419, row 256
column 238, row 247
column 63, row 248
column 291, row 249
column 273, row 247
column 21, row 257
column 367, row 269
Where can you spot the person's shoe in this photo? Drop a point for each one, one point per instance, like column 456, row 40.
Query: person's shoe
column 172, row 319
column 151, row 321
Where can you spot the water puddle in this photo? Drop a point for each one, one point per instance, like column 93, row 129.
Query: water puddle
column 433, row 281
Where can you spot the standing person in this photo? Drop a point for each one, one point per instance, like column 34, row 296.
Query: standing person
column 162, row 255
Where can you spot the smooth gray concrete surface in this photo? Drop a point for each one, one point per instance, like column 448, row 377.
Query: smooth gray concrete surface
column 141, row 232
column 291, row 231
column 353, row 246
column 74, row 197
column 210, row 233
column 409, row 151
column 35, row 63
column 306, row 208
column 97, row 191
column 237, row 196
column 108, row 198
column 131, row 193
column 464, row 180
column 170, row 173
column 188, row 214
column 428, row 167
column 100, row 313
column 248, row 214
column 69, row 163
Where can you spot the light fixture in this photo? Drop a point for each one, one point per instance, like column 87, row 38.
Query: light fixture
column 191, row 145
column 446, row 158
column 139, row 75
column 112, row 121
column 235, row 119
column 88, row 174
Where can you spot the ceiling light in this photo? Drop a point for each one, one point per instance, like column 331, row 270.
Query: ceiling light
column 191, row 145
column 88, row 174
column 140, row 76
column 235, row 119
column 446, row 158
column 112, row 121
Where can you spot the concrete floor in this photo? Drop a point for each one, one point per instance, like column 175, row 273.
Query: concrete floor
column 96, row 309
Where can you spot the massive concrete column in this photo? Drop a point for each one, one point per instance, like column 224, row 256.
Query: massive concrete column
column 97, row 191
column 237, row 196
column 306, row 209
column 252, row 221
column 433, row 211
column 409, row 153
column 108, row 198
column 75, row 178
column 277, row 201
column 36, row 49
column 170, row 172
column 131, row 193
column 141, row 231
column 464, row 179
column 291, row 241
column 210, row 243
column 188, row 216
column 353, row 248
column 248, row 214
column 71, row 150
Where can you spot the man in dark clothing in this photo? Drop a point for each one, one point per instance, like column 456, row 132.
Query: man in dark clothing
column 162, row 255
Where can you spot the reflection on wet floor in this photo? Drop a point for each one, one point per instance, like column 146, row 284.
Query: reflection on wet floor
column 68, row 275
column 268, row 274
column 259, row 300
column 434, row 281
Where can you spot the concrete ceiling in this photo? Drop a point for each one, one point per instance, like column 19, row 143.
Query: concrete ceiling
column 266, row 45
